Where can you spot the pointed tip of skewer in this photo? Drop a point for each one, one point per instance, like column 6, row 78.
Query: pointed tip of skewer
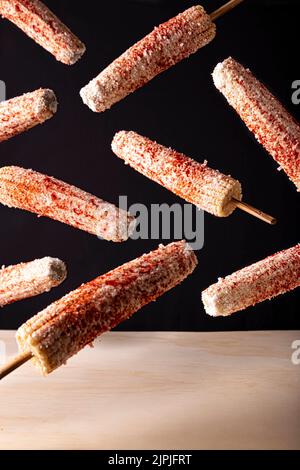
column 224, row 9
column 269, row 219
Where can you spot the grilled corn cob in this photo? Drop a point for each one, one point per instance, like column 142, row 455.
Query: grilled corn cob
column 41, row 25
column 24, row 112
column 49, row 197
column 68, row 325
column 166, row 45
column 262, row 113
column 195, row 182
column 29, row 279
column 260, row 281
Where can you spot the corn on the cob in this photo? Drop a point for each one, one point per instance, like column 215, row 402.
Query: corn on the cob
column 260, row 281
column 195, row 182
column 262, row 113
column 166, row 45
column 41, row 25
column 68, row 325
column 26, row 280
column 26, row 111
column 49, row 197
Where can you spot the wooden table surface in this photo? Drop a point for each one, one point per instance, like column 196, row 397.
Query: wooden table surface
column 158, row 390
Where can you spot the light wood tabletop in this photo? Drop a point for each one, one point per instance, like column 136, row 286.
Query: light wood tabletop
column 158, row 390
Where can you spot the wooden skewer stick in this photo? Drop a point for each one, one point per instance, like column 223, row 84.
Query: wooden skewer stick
column 224, row 9
column 15, row 363
column 255, row 212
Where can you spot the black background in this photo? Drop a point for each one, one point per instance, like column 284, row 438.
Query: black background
column 181, row 108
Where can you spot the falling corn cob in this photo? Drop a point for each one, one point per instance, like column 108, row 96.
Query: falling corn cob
column 262, row 113
column 263, row 280
column 68, row 325
column 49, row 197
column 166, row 45
column 195, row 182
column 24, row 112
column 29, row 279
column 41, row 25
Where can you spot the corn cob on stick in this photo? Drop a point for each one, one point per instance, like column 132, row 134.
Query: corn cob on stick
column 41, row 25
column 260, row 281
column 195, row 182
column 68, row 325
column 166, row 45
column 198, row 184
column 49, row 197
column 262, row 113
column 30, row 279
column 26, row 111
